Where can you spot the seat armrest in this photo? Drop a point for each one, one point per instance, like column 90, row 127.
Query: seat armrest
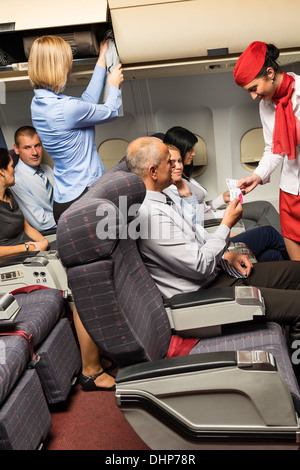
column 242, row 249
column 201, row 297
column 177, row 365
column 235, row 395
column 212, row 222
column 9, row 308
column 16, row 259
column 202, row 313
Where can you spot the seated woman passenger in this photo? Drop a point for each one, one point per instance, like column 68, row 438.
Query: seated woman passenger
column 255, row 214
column 16, row 235
column 265, row 242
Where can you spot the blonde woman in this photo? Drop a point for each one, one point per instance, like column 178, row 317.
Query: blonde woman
column 66, row 125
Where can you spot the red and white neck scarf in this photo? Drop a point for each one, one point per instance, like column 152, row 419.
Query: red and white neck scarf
column 284, row 135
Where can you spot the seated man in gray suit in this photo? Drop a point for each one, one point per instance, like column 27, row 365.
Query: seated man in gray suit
column 33, row 187
column 180, row 260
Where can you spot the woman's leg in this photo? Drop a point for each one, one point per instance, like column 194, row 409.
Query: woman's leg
column 260, row 213
column 293, row 249
column 266, row 243
column 91, row 364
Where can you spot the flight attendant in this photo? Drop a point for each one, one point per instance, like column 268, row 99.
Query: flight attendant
column 258, row 73
column 66, row 125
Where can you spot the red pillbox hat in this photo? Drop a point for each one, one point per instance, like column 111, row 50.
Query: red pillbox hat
column 250, row 63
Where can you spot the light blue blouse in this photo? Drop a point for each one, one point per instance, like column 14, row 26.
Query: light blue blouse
column 66, row 127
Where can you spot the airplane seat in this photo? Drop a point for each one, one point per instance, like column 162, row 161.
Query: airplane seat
column 14, row 156
column 38, row 360
column 91, row 263
column 227, row 389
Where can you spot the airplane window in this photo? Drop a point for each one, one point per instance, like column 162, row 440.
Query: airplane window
column 252, row 148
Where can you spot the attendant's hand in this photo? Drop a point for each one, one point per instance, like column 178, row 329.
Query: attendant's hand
column 249, row 183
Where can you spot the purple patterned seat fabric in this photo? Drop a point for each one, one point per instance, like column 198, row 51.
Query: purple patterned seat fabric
column 39, row 312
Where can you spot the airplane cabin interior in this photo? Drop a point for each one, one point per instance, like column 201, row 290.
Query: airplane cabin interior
column 236, row 388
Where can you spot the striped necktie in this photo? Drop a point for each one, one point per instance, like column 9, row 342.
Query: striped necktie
column 47, row 184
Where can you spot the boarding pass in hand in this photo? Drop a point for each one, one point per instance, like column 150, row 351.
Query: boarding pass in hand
column 234, row 190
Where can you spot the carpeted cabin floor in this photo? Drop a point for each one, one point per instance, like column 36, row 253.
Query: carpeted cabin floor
column 90, row 421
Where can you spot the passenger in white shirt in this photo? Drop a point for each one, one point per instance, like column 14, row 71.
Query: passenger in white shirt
column 30, row 189
column 258, row 73
column 179, row 260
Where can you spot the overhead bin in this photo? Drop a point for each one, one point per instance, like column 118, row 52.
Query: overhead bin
column 153, row 37
column 19, row 16
column 83, row 28
column 195, row 36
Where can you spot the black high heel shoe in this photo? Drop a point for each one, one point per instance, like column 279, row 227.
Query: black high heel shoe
column 87, row 383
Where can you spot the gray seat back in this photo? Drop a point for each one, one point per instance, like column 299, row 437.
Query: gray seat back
column 116, row 298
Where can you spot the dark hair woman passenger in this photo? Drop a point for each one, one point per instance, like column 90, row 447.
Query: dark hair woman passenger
column 16, row 235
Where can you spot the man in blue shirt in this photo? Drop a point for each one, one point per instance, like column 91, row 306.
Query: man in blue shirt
column 33, row 187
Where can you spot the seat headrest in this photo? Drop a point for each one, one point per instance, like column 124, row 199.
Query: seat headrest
column 117, row 184
column 14, row 156
column 90, row 228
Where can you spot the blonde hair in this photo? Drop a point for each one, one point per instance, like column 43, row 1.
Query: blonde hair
column 50, row 61
column 172, row 147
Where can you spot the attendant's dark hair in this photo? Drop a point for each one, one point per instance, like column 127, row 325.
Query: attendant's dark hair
column 184, row 140
column 4, row 159
column 272, row 55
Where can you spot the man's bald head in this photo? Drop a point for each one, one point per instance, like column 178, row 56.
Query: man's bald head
column 150, row 159
column 144, row 152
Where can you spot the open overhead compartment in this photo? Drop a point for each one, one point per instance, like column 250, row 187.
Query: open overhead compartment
column 83, row 28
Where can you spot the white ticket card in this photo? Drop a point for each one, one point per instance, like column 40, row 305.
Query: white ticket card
column 234, row 190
